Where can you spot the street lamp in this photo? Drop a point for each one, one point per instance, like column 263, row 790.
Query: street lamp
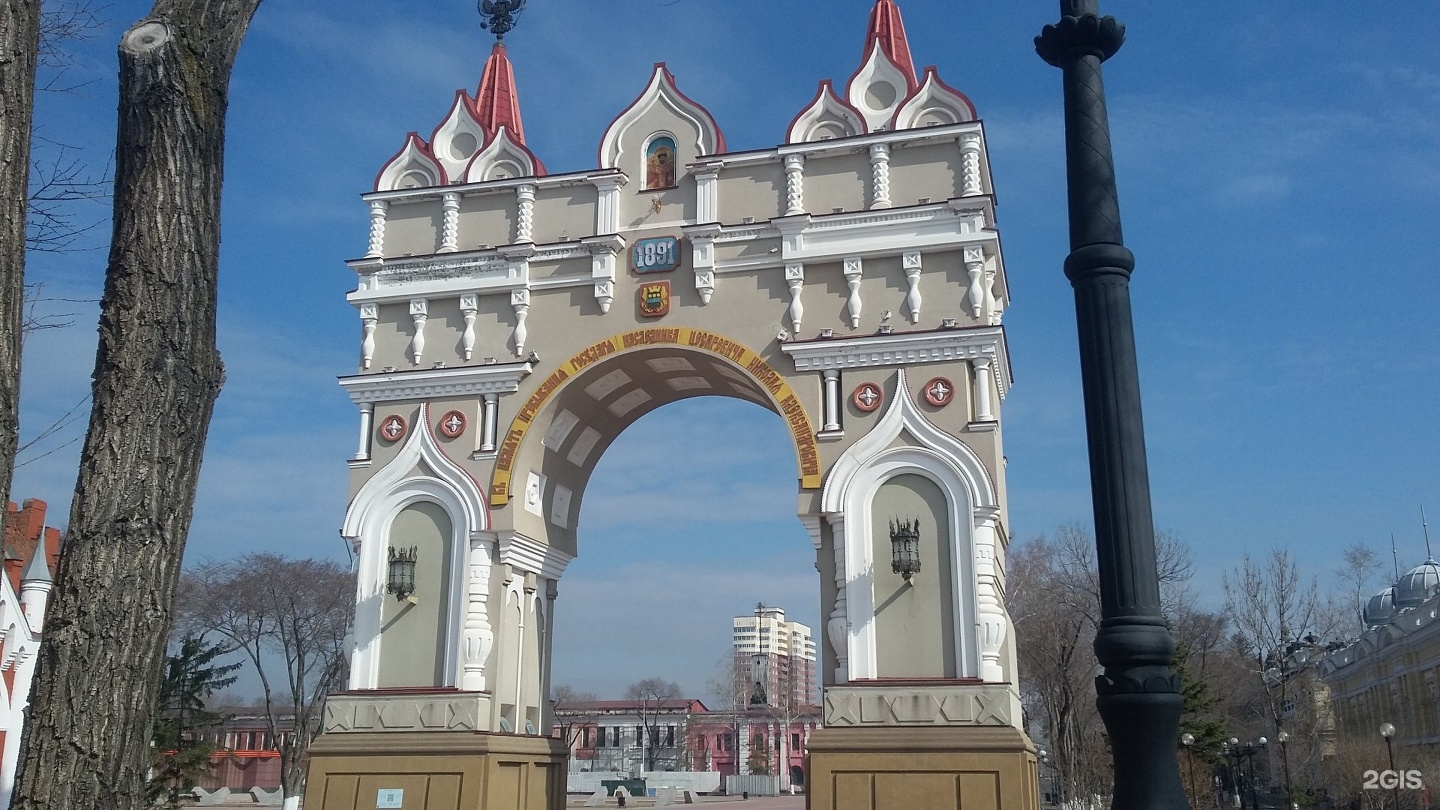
column 1387, row 731
column 1187, row 739
column 400, row 573
column 1138, row 696
column 1231, row 750
column 1247, row 752
column 1284, row 738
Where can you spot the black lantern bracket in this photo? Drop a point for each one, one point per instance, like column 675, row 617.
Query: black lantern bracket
column 905, row 548
column 400, row 574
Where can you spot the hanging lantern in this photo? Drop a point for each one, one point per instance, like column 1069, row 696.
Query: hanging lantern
column 905, row 545
column 400, row 573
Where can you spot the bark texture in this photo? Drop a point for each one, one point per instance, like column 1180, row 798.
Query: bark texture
column 157, row 374
column 19, row 46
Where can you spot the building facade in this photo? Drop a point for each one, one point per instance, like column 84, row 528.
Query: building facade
column 514, row 320
column 777, row 657
column 31, row 552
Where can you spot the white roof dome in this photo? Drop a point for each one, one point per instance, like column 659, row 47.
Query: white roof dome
column 1421, row 583
column 1380, row 609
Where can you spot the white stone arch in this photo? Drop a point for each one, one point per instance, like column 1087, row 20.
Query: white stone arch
column 420, row 472
column 502, row 158
column 827, row 116
column 414, row 166
column 972, row 507
column 662, row 91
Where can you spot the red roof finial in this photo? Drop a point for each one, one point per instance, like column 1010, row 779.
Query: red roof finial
column 497, row 104
column 887, row 29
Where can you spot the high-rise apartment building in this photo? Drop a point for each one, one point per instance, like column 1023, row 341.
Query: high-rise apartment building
column 778, row 655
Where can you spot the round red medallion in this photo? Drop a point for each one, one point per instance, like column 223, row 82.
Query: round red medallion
column 393, row 428
column 867, row 397
column 452, row 424
column 939, row 391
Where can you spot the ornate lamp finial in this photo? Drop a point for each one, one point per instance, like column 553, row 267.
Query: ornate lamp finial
column 499, row 15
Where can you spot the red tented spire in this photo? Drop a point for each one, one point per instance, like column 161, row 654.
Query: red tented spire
column 887, row 29
column 496, row 102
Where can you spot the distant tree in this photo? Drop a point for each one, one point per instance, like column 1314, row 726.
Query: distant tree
column 286, row 615
column 648, row 698
column 1356, row 572
column 570, row 719
column 157, row 375
column 181, row 755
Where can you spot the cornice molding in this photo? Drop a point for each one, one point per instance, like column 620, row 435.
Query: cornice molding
column 499, row 378
column 907, row 349
column 530, row 555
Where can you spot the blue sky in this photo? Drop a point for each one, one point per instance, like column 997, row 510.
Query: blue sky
column 1278, row 170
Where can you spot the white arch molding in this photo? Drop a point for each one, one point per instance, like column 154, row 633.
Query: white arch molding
column 422, row 472
column 973, row 511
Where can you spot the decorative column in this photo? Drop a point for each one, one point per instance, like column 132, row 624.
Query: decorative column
column 419, row 312
column 991, row 618
column 984, row 390
column 489, row 424
column 520, row 300
column 795, row 277
column 831, row 377
column 910, row 263
column 707, row 195
column 970, row 165
column 975, row 269
column 993, row 307
column 367, row 421
column 525, row 213
column 369, row 318
column 377, row 229
column 607, row 203
column 879, row 176
column 469, row 307
column 479, row 635
column 450, row 222
column 854, row 268
column 794, row 185
column 1139, row 696
column 838, row 625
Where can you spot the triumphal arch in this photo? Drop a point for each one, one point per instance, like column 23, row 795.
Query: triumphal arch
column 514, row 320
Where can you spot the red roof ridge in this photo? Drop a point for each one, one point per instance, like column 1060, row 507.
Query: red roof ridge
column 887, row 29
column 497, row 103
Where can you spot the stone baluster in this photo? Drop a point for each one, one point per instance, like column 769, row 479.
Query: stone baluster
column 520, row 300
column 369, row 319
column 970, row 166
column 525, row 213
column 994, row 307
column 794, row 185
column 838, row 625
column 910, row 262
column 795, row 277
column 479, row 635
column 854, row 268
column 975, row 269
column 450, row 222
column 880, row 176
column 377, row 229
column 419, row 312
column 469, row 307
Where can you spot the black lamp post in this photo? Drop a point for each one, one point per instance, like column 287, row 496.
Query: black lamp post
column 905, row 548
column 1139, row 697
column 1231, row 751
column 1387, row 731
column 1284, row 739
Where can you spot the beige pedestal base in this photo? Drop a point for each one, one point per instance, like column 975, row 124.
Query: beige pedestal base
column 906, row 768
column 437, row 770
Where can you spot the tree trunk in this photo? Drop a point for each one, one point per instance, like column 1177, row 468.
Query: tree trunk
column 157, row 374
column 19, row 45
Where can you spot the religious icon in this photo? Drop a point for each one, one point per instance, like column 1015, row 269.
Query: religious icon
column 660, row 163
